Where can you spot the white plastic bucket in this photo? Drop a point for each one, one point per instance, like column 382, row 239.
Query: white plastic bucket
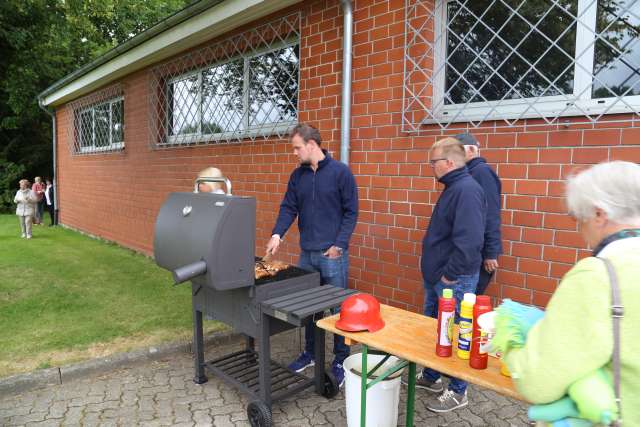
column 382, row 399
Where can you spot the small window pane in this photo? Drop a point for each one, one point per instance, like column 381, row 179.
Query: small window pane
column 273, row 89
column 117, row 122
column 222, row 109
column 492, row 54
column 617, row 52
column 86, row 128
column 183, row 98
column 102, row 126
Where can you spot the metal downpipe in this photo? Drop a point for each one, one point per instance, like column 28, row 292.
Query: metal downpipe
column 347, row 45
column 55, row 172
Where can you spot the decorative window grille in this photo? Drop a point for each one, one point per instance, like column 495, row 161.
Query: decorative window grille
column 487, row 63
column 98, row 122
column 244, row 86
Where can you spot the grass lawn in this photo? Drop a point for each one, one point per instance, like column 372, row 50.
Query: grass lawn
column 65, row 297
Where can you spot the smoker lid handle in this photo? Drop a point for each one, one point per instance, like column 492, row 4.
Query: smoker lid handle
column 223, row 179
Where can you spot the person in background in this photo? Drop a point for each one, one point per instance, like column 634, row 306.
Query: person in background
column 322, row 194
column 25, row 200
column 575, row 336
column 210, row 187
column 490, row 183
column 451, row 253
column 49, row 198
column 38, row 190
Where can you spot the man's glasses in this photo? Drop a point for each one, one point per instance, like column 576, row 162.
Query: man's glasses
column 434, row 161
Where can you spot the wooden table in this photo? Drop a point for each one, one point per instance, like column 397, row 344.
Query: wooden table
column 412, row 337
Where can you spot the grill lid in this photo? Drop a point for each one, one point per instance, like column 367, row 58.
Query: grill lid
column 218, row 229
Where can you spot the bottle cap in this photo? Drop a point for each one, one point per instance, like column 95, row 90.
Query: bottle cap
column 483, row 300
column 469, row 297
column 447, row 293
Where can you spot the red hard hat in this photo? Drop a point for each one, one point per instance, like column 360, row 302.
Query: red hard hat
column 360, row 312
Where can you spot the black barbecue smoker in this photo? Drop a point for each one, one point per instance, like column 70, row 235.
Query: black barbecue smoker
column 210, row 239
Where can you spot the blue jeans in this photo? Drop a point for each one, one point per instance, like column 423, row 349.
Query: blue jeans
column 333, row 272
column 465, row 283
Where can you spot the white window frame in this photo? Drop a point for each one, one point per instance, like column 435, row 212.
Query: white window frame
column 579, row 103
column 247, row 131
column 92, row 148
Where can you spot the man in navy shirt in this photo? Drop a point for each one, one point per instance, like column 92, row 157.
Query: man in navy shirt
column 490, row 183
column 451, row 253
column 322, row 194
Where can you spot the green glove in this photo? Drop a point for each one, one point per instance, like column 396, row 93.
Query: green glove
column 595, row 398
column 554, row 411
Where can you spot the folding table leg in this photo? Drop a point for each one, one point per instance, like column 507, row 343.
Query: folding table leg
column 411, row 393
column 363, row 387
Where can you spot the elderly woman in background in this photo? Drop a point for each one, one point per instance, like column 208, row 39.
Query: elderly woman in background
column 26, row 205
column 38, row 189
column 575, row 337
column 210, row 187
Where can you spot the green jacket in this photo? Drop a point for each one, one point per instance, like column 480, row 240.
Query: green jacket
column 575, row 337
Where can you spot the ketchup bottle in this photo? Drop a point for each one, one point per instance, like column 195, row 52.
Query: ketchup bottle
column 446, row 315
column 479, row 347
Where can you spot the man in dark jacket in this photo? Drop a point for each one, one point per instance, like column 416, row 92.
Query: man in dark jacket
column 322, row 194
column 451, row 253
column 490, row 183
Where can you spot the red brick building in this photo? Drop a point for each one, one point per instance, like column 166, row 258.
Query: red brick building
column 544, row 88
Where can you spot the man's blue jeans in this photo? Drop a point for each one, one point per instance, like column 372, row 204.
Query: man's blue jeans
column 465, row 283
column 335, row 272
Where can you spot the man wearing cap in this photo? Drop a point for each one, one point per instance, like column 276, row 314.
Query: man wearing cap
column 490, row 183
column 322, row 194
column 451, row 252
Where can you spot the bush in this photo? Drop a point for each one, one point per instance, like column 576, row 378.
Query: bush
column 10, row 174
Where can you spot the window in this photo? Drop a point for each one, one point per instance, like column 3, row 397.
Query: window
column 516, row 59
column 242, row 96
column 100, row 127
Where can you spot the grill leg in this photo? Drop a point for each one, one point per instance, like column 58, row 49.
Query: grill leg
column 198, row 347
column 264, row 360
column 319, row 350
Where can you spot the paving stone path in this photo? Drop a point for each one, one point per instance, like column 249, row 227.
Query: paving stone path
column 162, row 393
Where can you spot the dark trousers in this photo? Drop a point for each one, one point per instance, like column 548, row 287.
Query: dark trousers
column 484, row 280
column 333, row 271
column 52, row 214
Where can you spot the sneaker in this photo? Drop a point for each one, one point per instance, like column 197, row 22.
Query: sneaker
column 423, row 383
column 304, row 361
column 338, row 373
column 23, row 235
column 28, row 237
column 448, row 401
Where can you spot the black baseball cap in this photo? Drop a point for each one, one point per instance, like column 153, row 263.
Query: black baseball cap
column 467, row 139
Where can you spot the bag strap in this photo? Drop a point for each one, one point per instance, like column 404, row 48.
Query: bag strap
column 617, row 312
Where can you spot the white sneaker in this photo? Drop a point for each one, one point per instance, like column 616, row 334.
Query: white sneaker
column 28, row 237
column 23, row 235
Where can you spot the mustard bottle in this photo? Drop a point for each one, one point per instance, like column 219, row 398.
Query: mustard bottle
column 465, row 326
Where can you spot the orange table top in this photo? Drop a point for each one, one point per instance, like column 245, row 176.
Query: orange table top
column 411, row 336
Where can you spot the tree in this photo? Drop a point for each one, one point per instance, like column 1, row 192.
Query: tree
column 41, row 41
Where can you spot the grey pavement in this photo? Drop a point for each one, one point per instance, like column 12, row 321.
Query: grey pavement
column 162, row 393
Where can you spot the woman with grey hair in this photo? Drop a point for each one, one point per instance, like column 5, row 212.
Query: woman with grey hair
column 576, row 335
column 25, row 201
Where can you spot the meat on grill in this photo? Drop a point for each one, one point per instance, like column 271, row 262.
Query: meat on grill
column 271, row 268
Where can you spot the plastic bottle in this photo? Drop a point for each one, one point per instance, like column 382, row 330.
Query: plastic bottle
column 446, row 315
column 465, row 325
column 479, row 346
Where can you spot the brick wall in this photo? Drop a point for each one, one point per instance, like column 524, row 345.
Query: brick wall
column 118, row 195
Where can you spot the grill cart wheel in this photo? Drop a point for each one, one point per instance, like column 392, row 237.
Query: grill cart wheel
column 331, row 387
column 259, row 414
